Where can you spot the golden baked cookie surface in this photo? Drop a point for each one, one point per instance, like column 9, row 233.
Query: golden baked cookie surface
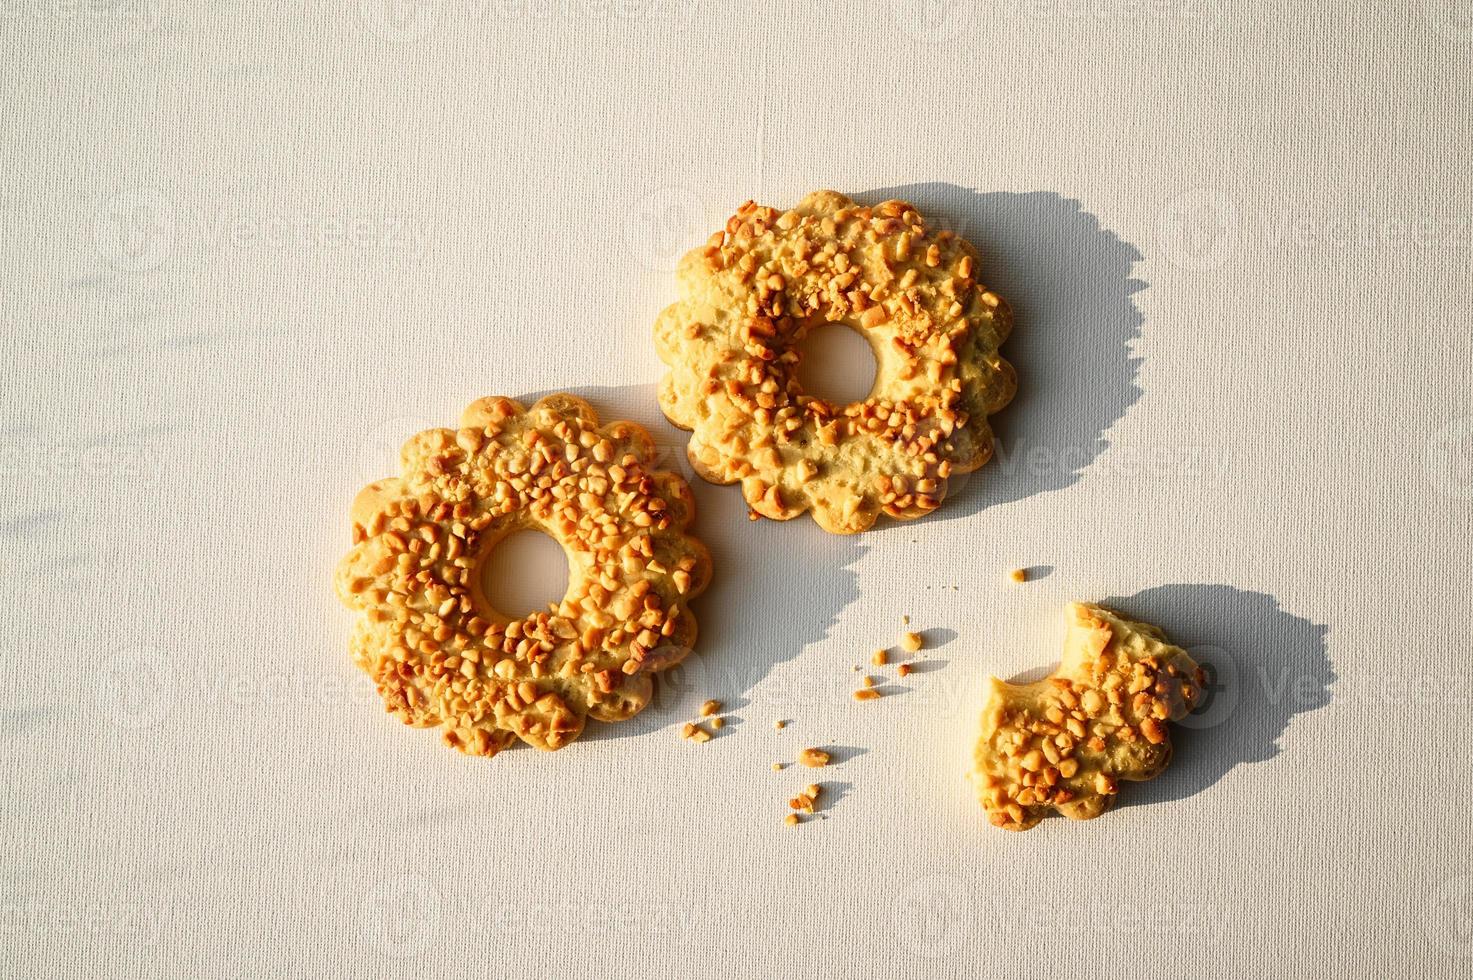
column 1066, row 741
column 756, row 288
column 440, row 654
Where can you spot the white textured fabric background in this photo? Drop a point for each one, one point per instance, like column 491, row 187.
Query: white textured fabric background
column 246, row 248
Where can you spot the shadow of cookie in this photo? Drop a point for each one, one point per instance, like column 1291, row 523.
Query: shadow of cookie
column 1068, row 280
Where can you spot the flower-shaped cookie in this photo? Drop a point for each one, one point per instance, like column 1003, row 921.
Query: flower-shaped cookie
column 748, row 297
column 441, row 655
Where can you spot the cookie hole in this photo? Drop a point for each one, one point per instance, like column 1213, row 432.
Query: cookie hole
column 524, row 572
column 836, row 363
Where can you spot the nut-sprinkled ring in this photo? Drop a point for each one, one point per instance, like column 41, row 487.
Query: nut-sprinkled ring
column 442, row 655
column 751, row 293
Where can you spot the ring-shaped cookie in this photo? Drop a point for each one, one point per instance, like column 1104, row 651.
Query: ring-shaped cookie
column 442, row 655
column 748, row 297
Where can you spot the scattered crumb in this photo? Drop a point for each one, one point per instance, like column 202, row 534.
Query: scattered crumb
column 813, row 758
column 695, row 732
column 718, row 722
column 710, row 708
column 805, row 800
column 866, row 694
column 867, row 681
column 779, row 724
column 903, row 670
column 791, row 820
column 912, row 642
column 752, row 515
column 881, row 658
column 777, row 767
column 1019, row 575
column 904, row 620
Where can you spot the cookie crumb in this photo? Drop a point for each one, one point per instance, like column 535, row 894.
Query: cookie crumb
column 779, row 724
column 813, row 758
column 710, row 708
column 695, row 732
column 805, row 800
column 1019, row 575
column 904, row 620
column 791, row 820
column 912, row 642
column 867, row 681
column 718, row 722
column 777, row 767
column 866, row 694
column 881, row 658
column 903, row 670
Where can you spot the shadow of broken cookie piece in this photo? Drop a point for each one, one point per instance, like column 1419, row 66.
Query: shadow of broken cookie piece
column 1264, row 666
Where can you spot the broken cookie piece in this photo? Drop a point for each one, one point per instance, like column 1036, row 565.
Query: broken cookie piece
column 1065, row 742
